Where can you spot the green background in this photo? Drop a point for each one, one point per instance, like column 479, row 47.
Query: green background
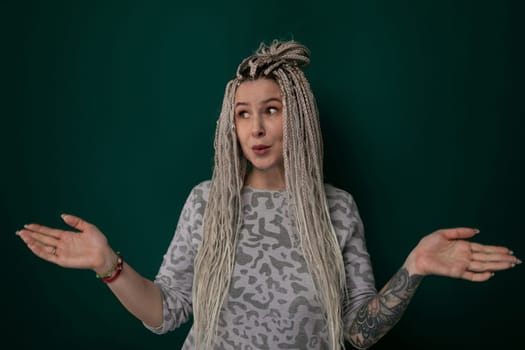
column 108, row 112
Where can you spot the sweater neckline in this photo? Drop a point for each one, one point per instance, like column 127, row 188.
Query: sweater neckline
column 260, row 190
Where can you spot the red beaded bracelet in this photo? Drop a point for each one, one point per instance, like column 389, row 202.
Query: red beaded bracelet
column 116, row 270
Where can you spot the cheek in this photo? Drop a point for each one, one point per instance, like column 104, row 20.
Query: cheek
column 241, row 135
column 279, row 131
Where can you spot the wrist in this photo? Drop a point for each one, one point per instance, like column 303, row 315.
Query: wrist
column 106, row 262
column 113, row 273
column 414, row 263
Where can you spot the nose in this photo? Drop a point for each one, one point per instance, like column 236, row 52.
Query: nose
column 258, row 129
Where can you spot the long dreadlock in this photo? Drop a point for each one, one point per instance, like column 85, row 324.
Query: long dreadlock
column 303, row 164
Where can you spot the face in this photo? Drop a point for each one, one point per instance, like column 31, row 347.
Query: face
column 259, row 125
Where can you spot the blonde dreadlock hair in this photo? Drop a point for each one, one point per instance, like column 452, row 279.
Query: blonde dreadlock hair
column 303, row 164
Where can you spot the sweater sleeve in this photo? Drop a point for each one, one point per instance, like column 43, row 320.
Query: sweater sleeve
column 175, row 276
column 360, row 283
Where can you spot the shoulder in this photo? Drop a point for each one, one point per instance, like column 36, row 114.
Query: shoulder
column 201, row 190
column 344, row 216
column 198, row 197
column 341, row 205
column 338, row 196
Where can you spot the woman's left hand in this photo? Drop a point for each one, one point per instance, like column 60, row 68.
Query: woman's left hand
column 446, row 252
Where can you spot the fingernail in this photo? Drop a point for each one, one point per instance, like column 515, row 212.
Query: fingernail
column 17, row 233
column 492, row 274
column 511, row 252
column 476, row 230
column 518, row 262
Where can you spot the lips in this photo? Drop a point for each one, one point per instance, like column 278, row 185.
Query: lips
column 260, row 149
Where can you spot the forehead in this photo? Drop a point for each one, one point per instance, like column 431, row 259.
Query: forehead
column 257, row 90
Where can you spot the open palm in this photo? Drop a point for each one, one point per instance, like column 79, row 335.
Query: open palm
column 446, row 252
column 80, row 249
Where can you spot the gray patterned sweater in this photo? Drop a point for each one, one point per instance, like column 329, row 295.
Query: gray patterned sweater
column 272, row 302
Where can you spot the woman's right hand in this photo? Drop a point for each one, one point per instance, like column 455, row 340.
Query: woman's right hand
column 86, row 249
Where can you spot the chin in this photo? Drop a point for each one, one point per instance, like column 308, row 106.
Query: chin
column 265, row 166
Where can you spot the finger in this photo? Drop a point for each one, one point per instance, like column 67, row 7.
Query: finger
column 43, row 251
column 459, row 232
column 479, row 266
column 489, row 249
column 33, row 236
column 44, row 230
column 75, row 221
column 494, row 257
column 52, row 250
column 477, row 276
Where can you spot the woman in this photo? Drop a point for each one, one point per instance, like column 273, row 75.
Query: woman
column 266, row 255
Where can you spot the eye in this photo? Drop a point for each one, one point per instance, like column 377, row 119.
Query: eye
column 272, row 110
column 243, row 114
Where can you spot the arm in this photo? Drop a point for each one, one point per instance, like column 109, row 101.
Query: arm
column 375, row 318
column 89, row 249
column 443, row 253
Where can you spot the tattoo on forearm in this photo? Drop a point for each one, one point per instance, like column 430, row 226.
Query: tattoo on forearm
column 384, row 310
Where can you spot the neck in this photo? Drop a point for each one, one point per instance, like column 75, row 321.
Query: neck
column 266, row 180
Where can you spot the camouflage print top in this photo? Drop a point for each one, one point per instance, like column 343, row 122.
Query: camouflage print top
column 272, row 301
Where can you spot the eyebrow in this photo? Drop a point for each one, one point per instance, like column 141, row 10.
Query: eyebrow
column 271, row 99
